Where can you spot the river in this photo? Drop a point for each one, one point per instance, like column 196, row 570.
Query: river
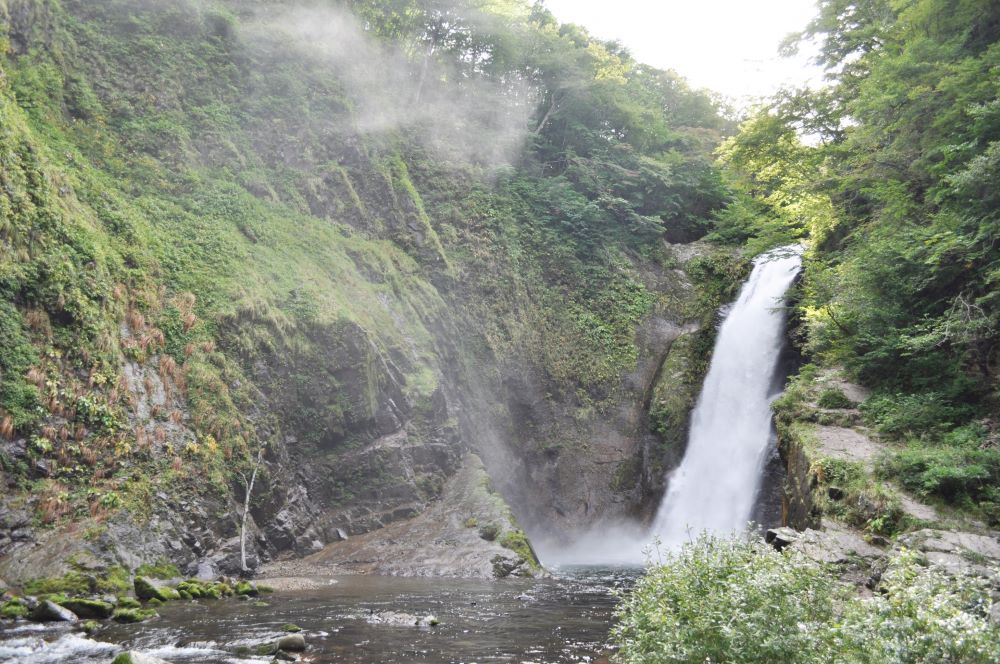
column 562, row 619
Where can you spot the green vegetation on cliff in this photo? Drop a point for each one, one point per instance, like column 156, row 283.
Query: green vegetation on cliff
column 897, row 201
column 229, row 225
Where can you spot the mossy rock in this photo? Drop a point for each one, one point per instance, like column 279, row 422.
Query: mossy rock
column 133, row 615
column 517, row 541
column 291, row 627
column 91, row 626
column 247, row 589
column 224, row 589
column 48, row 611
column 14, row 609
column 144, row 589
column 191, row 589
column 88, row 608
column 128, row 603
column 292, row 643
column 265, row 649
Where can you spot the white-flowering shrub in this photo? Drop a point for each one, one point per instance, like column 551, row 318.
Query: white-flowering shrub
column 921, row 615
column 740, row 601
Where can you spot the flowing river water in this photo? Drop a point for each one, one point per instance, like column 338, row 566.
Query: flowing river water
column 563, row 619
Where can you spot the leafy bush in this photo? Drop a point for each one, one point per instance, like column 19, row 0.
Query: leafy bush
column 834, row 398
column 18, row 398
column 954, row 474
column 921, row 414
column 923, row 615
column 740, row 601
column 728, row 601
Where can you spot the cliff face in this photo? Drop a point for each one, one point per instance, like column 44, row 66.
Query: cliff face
column 841, row 509
column 208, row 252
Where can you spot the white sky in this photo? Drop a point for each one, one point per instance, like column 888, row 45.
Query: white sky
column 729, row 46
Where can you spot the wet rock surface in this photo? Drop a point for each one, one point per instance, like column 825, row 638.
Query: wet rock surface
column 444, row 540
column 49, row 611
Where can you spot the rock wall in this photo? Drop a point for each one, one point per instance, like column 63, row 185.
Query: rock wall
column 208, row 281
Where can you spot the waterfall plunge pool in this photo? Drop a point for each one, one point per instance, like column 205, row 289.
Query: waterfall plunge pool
column 566, row 618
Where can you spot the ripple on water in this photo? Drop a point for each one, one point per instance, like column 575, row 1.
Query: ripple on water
column 552, row 621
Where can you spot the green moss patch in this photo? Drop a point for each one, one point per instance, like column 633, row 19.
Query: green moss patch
column 133, row 615
column 88, row 608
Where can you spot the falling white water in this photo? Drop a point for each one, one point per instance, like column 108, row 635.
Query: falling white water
column 715, row 486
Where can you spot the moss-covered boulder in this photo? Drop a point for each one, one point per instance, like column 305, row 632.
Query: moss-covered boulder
column 133, row 615
column 246, row 588
column 49, row 611
column 292, row 643
column 88, row 608
column 146, row 590
column 14, row 608
column 195, row 589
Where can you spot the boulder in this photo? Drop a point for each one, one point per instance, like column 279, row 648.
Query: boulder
column 88, row 608
column 292, row 643
column 247, row 589
column 146, row 589
column 48, row 611
column 133, row 615
column 780, row 538
column 14, row 608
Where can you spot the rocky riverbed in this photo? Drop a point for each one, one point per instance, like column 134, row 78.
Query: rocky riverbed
column 361, row 619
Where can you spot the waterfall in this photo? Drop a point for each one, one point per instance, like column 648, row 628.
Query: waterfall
column 717, row 482
column 715, row 488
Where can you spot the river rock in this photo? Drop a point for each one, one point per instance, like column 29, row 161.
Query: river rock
column 89, row 608
column 292, row 643
column 48, row 611
column 146, row 589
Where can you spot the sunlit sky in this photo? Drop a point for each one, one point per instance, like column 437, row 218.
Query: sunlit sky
column 729, row 46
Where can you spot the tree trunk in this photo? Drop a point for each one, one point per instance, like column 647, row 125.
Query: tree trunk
column 246, row 509
column 423, row 73
column 548, row 115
